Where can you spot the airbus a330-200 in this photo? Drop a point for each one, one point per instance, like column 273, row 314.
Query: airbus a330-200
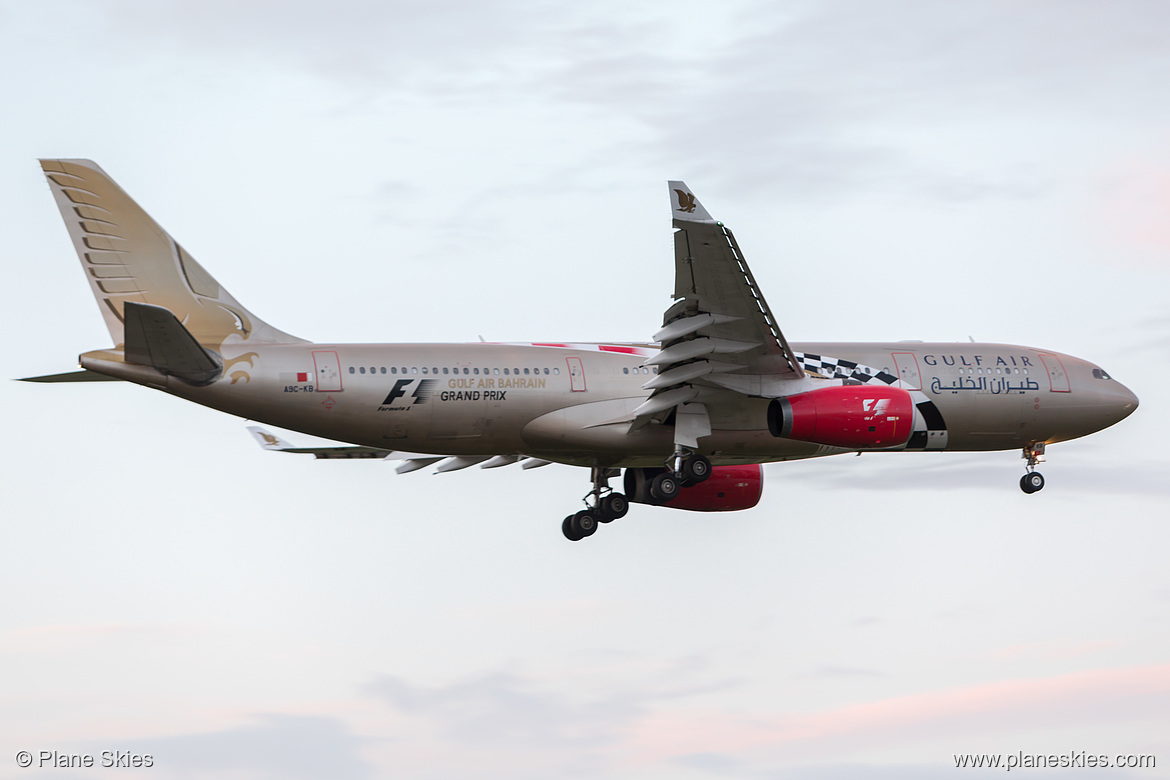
column 684, row 420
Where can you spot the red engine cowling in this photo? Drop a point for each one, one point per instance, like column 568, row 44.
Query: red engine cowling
column 728, row 489
column 856, row 417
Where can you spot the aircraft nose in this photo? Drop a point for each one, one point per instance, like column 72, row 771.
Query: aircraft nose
column 1115, row 402
column 1127, row 401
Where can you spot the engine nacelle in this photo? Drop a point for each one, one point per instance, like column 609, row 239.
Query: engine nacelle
column 728, row 489
column 855, row 417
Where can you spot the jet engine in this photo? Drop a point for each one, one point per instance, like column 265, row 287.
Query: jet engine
column 728, row 489
column 855, row 417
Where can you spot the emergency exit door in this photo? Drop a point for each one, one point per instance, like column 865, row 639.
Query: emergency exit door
column 576, row 375
column 328, row 376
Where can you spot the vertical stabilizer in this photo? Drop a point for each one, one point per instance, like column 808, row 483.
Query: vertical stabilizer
column 127, row 256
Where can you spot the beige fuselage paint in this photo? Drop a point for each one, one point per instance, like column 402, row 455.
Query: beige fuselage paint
column 574, row 405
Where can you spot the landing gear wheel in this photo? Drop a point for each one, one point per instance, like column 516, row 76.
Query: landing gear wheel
column 584, row 523
column 568, row 530
column 612, row 507
column 664, row 487
column 696, row 469
column 1031, row 482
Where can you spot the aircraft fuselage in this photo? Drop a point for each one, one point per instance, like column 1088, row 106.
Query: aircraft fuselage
column 572, row 403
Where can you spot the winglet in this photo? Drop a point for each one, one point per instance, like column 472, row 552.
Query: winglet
column 685, row 205
column 267, row 440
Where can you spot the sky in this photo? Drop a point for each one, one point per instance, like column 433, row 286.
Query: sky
column 409, row 172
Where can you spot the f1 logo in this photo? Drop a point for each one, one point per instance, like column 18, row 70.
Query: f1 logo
column 421, row 393
column 398, row 391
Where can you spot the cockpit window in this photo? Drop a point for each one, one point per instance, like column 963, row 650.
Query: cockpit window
column 1099, row 374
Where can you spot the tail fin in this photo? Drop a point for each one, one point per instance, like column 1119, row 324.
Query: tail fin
column 128, row 257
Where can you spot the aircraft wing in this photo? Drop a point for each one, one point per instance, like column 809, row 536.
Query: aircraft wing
column 274, row 443
column 411, row 461
column 720, row 331
column 717, row 299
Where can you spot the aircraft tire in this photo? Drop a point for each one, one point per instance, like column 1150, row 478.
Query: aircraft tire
column 568, row 530
column 584, row 523
column 613, row 507
column 664, row 487
column 695, row 469
column 1031, row 482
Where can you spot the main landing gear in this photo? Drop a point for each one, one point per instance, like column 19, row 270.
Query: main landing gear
column 603, row 505
column 1033, row 480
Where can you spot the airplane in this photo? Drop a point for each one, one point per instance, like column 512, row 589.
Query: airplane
column 685, row 419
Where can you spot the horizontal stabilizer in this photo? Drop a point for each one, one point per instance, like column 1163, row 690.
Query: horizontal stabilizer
column 72, row 376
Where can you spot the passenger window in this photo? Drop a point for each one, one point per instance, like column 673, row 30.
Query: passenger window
column 383, row 369
column 362, row 370
column 505, row 372
column 414, row 370
column 546, row 372
column 556, row 371
column 625, row 370
column 526, row 372
column 444, row 370
column 496, row 371
column 351, row 370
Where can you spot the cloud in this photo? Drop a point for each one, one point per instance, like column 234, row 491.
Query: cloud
column 789, row 101
column 727, row 766
column 502, row 709
column 275, row 746
column 1093, row 697
column 534, row 726
column 846, row 672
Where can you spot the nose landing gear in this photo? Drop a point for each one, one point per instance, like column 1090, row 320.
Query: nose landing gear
column 1033, row 480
